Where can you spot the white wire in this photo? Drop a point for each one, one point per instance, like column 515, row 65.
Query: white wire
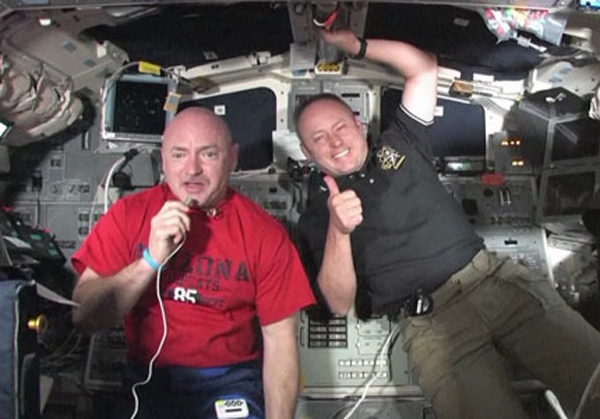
column 111, row 172
column 553, row 401
column 93, row 207
column 109, row 81
column 382, row 354
column 586, row 392
column 105, row 182
column 163, row 315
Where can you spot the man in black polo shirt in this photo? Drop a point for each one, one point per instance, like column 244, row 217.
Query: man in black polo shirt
column 383, row 233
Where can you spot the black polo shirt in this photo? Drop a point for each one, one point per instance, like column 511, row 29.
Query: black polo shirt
column 414, row 235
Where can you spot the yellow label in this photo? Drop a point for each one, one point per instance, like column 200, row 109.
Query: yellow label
column 149, row 68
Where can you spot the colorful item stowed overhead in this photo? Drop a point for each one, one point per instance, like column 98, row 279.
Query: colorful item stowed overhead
column 505, row 23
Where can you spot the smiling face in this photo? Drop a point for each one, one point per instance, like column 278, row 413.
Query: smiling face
column 332, row 136
column 198, row 157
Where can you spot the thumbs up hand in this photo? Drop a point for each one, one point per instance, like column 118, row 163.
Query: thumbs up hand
column 345, row 208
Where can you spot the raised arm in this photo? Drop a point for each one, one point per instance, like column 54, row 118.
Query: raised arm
column 105, row 300
column 337, row 278
column 419, row 68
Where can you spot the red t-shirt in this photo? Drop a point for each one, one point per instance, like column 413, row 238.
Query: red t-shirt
column 236, row 267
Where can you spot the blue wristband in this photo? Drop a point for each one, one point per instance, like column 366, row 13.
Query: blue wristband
column 153, row 264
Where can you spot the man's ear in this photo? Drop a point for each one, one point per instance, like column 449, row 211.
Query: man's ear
column 305, row 151
column 234, row 157
column 358, row 122
column 162, row 159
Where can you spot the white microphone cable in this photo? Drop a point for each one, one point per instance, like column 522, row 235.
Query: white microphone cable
column 382, row 354
column 163, row 338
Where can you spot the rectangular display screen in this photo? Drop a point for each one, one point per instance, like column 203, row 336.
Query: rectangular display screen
column 134, row 108
column 575, row 139
column 568, row 194
column 138, row 107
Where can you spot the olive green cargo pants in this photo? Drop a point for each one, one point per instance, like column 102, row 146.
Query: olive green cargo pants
column 490, row 310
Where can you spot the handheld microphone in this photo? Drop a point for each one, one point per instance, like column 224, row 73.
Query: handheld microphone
column 190, row 202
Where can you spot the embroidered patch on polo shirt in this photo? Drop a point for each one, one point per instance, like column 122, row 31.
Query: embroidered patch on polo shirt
column 389, row 158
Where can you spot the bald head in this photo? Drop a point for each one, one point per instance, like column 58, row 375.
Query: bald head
column 196, row 118
column 198, row 156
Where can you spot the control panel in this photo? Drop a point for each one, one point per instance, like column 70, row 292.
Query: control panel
column 355, row 93
column 503, row 215
column 274, row 192
column 340, row 354
column 105, row 361
column 508, row 203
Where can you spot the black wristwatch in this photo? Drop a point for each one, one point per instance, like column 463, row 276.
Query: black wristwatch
column 362, row 51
